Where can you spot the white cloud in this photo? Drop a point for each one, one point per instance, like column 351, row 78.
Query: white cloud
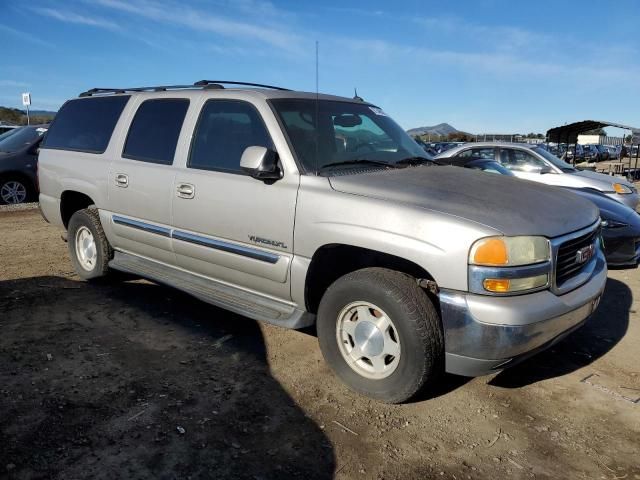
column 188, row 17
column 13, row 83
column 72, row 17
column 24, row 36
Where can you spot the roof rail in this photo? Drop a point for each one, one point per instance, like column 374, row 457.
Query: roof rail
column 160, row 88
column 207, row 84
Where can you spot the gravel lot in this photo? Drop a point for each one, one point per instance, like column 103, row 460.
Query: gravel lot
column 128, row 379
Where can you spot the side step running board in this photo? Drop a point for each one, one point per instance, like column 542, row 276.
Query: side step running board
column 224, row 296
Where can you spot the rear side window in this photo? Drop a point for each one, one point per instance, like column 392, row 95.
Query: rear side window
column 478, row 154
column 155, row 129
column 85, row 125
column 225, row 129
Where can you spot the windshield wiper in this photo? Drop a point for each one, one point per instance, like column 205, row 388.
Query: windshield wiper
column 417, row 161
column 359, row 161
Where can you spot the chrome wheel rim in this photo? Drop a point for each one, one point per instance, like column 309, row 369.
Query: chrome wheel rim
column 13, row 192
column 86, row 250
column 368, row 340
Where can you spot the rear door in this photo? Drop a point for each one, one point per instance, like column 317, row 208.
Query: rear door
column 228, row 225
column 141, row 178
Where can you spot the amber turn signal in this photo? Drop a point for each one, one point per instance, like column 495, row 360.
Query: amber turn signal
column 496, row 285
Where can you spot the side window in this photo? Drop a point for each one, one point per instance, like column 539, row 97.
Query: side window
column 85, row 124
column 154, row 131
column 478, row 154
column 520, row 160
column 225, row 129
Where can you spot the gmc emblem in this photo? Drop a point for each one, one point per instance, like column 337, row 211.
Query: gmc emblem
column 585, row 254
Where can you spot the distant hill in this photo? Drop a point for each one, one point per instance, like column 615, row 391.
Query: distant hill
column 443, row 129
column 41, row 113
column 19, row 117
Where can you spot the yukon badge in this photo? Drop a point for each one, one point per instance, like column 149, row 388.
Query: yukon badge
column 266, row 241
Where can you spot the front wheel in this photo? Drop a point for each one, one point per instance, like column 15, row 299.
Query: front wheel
column 381, row 334
column 88, row 245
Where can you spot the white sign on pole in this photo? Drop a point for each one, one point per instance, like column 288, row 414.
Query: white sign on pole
column 26, row 99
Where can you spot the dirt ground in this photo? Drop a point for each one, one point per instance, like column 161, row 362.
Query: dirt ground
column 128, row 379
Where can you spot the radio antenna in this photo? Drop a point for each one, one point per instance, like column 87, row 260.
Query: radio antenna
column 317, row 106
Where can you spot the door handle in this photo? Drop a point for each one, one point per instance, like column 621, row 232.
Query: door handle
column 186, row 190
column 122, row 180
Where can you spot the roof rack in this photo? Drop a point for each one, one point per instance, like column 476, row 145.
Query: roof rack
column 206, row 84
column 219, row 83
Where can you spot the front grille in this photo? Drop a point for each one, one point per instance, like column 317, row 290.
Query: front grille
column 567, row 265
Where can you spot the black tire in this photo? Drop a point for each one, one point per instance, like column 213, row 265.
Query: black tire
column 90, row 219
column 416, row 321
column 28, row 188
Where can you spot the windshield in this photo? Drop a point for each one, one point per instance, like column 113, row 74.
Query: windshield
column 24, row 137
column 8, row 133
column 331, row 133
column 550, row 157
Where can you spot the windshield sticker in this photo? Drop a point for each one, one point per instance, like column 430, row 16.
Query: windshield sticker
column 378, row 111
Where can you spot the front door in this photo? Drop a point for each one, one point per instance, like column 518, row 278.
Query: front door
column 229, row 226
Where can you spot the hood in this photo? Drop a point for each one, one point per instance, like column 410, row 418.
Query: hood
column 603, row 181
column 609, row 209
column 506, row 204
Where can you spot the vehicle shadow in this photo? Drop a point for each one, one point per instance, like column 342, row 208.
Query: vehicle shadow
column 594, row 339
column 136, row 380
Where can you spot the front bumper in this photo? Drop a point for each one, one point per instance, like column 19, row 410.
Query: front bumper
column 484, row 334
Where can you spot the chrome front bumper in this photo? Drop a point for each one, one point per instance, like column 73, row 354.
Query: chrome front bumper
column 484, row 334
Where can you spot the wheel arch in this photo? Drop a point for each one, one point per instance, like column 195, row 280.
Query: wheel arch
column 70, row 202
column 332, row 261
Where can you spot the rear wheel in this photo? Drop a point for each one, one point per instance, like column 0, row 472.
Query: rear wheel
column 88, row 246
column 381, row 334
column 14, row 190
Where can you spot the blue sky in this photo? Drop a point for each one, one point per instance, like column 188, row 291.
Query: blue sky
column 483, row 65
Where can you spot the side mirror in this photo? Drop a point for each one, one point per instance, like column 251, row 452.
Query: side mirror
column 544, row 170
column 261, row 163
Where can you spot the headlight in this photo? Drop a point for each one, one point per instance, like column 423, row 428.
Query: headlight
column 509, row 265
column 622, row 188
column 509, row 251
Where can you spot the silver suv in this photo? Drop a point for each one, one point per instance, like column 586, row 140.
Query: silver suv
column 298, row 209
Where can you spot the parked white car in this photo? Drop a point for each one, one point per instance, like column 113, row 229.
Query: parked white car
column 532, row 162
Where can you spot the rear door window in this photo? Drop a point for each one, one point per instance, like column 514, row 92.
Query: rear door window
column 153, row 135
column 478, row 154
column 85, row 124
column 520, row 160
column 225, row 129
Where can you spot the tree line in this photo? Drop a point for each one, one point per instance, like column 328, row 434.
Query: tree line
column 19, row 117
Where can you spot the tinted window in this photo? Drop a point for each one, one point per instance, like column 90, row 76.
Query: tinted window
column 155, row 129
column 225, row 129
column 478, row 153
column 520, row 160
column 85, row 124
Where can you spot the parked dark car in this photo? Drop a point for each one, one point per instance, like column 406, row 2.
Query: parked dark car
column 620, row 224
column 595, row 153
column 18, row 161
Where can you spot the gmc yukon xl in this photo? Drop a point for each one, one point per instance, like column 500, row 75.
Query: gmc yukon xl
column 297, row 209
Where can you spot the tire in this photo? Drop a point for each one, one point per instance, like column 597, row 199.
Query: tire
column 86, row 230
column 15, row 190
column 415, row 326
